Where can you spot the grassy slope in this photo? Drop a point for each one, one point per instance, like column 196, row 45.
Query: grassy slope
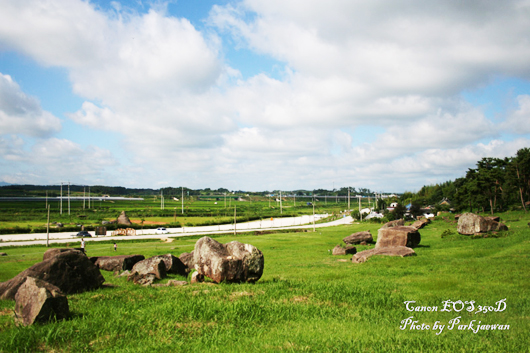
column 305, row 301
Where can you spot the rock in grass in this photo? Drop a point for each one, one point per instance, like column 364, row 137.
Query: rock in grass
column 48, row 254
column 196, row 277
column 40, row 301
column 3, row 254
column 231, row 262
column 187, row 260
column 387, row 251
column 396, row 223
column 117, row 263
column 71, row 271
column 173, row 264
column 398, row 236
column 339, row 250
column 359, row 237
column 470, row 223
column 419, row 224
column 147, row 271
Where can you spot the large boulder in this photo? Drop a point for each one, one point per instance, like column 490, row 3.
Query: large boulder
column 359, row 237
column 396, row 223
column 187, row 260
column 48, row 254
column 123, row 219
column 388, row 251
column 146, row 271
column 232, row 262
column 116, row 263
column 339, row 250
column 470, row 223
column 40, row 301
column 71, row 271
column 398, row 236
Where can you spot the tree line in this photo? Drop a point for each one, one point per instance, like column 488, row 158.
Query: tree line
column 494, row 185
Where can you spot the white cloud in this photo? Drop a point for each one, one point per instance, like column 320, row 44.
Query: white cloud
column 183, row 116
column 22, row 114
column 519, row 121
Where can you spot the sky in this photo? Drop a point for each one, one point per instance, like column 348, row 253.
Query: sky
column 260, row 95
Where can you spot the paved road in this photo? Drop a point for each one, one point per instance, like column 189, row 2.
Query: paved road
column 275, row 224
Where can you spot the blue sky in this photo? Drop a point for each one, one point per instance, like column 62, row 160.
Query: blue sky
column 256, row 95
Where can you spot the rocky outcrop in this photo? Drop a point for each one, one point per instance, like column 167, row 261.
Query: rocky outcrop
column 71, row 271
column 339, row 250
column 470, row 223
column 232, row 262
column 398, row 236
column 123, row 219
column 40, row 301
column 117, row 263
column 387, row 251
column 359, row 237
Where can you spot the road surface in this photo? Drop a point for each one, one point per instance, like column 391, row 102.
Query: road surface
column 274, row 224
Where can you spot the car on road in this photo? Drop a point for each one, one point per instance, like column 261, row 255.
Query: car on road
column 161, row 230
column 82, row 233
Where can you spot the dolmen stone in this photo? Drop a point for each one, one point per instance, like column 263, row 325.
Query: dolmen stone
column 419, row 224
column 48, row 254
column 398, row 236
column 359, row 237
column 347, row 250
column 396, row 223
column 3, row 254
column 187, row 260
column 470, row 223
column 70, row 271
column 145, row 272
column 402, row 251
column 40, row 301
column 173, row 264
column 231, row 262
column 117, row 263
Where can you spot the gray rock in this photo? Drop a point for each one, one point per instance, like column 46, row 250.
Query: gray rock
column 117, row 263
column 233, row 262
column 173, row 264
column 40, row 301
column 470, row 223
column 359, row 237
column 48, row 254
column 388, row 251
column 339, row 250
column 396, row 223
column 146, row 271
column 71, row 271
column 187, row 260
column 398, row 236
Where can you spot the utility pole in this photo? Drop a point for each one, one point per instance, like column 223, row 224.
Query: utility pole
column 68, row 198
column 61, row 199
column 182, row 199
column 281, row 210
column 89, row 197
column 349, row 199
column 360, row 214
column 48, row 228
column 84, row 196
column 235, row 219
column 314, row 230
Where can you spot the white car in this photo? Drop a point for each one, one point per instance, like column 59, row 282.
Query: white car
column 161, row 230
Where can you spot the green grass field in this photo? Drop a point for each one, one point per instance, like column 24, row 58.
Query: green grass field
column 307, row 299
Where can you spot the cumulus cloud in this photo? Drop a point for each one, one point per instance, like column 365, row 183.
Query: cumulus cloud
column 22, row 114
column 183, row 115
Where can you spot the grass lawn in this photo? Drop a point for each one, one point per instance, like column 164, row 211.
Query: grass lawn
column 307, row 299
